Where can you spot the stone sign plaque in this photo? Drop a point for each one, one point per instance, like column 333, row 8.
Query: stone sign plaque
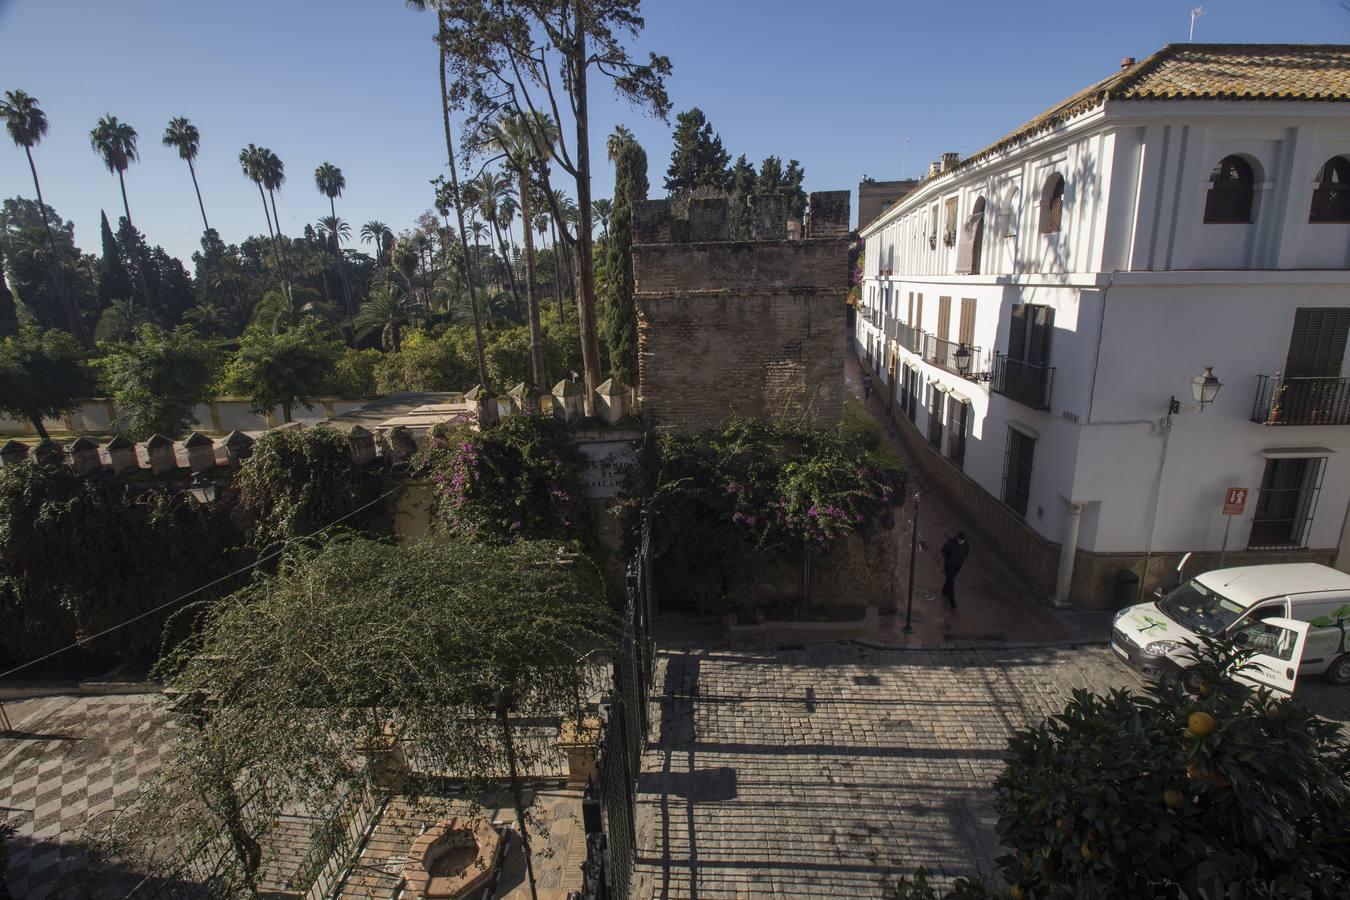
column 610, row 468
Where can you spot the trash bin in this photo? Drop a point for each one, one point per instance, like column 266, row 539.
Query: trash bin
column 1127, row 588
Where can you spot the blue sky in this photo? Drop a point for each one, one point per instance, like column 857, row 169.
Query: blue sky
column 838, row 86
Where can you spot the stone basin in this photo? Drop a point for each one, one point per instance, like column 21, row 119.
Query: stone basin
column 456, row 857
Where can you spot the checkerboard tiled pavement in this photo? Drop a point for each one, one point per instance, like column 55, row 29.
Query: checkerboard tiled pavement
column 827, row 772
column 72, row 758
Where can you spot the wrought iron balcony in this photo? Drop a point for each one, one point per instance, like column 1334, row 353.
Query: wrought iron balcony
column 909, row 338
column 1301, row 401
column 955, row 357
column 1027, row 383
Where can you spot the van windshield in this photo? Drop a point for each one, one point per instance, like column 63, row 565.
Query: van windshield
column 1199, row 608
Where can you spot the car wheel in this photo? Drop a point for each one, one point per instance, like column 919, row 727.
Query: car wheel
column 1339, row 671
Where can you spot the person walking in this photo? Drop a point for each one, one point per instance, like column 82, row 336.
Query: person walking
column 954, row 553
column 867, row 387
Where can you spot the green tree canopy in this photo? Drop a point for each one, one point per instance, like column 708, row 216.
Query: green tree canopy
column 349, row 642
column 42, row 374
column 285, row 369
column 158, row 379
column 619, row 313
column 698, row 159
column 1234, row 793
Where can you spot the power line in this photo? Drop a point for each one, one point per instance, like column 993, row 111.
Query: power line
column 253, row 565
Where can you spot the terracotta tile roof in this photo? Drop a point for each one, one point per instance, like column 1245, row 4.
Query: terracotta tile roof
column 1276, row 72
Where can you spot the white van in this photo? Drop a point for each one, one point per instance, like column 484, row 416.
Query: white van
column 1296, row 616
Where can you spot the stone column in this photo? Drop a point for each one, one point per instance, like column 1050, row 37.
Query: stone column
column 122, row 454
column 568, row 400
column 484, row 402
column 611, row 400
column 13, row 453
column 159, row 450
column 768, row 217
column 235, row 447
column 84, row 456
column 362, row 444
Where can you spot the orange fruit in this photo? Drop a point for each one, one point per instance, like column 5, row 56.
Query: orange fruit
column 1201, row 724
column 1173, row 798
column 1089, row 854
column 1016, row 892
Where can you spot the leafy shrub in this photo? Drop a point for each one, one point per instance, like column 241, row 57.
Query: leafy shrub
column 517, row 479
column 159, row 379
column 1233, row 793
column 79, row 553
column 354, row 374
column 756, row 490
column 298, row 480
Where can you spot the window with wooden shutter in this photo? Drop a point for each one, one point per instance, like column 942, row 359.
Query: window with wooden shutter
column 1029, row 332
column 1317, row 346
column 972, row 241
column 966, row 332
column 1052, row 204
column 944, row 318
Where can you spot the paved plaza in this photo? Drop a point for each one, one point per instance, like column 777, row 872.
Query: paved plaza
column 830, row 770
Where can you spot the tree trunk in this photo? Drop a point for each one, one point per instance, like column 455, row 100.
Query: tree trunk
column 276, row 249
column 38, row 426
column 394, row 337
column 459, row 210
column 590, row 341
column 58, row 283
column 200, row 204
column 342, row 272
column 285, row 413
column 557, row 272
column 140, row 261
column 281, row 244
column 510, row 273
column 531, row 296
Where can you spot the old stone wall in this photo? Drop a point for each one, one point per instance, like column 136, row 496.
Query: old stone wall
column 753, row 328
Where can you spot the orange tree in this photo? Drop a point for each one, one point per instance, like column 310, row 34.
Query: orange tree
column 1233, row 793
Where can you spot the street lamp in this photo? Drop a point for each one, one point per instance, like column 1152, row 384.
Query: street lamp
column 962, row 358
column 1204, row 388
column 202, row 489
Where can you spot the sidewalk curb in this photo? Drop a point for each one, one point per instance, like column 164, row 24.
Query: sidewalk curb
column 1063, row 644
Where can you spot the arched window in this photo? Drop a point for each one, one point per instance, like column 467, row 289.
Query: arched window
column 1232, row 188
column 1331, row 197
column 1052, row 204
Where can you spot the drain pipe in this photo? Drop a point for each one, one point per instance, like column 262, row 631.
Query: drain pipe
column 1165, row 425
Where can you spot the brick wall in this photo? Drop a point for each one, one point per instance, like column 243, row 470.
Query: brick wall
column 753, row 328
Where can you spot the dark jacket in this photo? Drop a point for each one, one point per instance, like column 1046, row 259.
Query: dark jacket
column 954, row 555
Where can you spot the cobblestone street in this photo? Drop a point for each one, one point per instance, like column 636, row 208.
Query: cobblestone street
column 826, row 772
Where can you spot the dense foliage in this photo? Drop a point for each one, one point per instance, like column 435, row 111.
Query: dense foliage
column 79, row 553
column 517, row 479
column 756, row 489
column 42, row 374
column 286, row 369
column 1235, row 792
column 158, row 380
column 298, row 480
column 346, row 644
column 619, row 318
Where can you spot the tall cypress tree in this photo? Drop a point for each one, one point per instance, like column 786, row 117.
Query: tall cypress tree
column 113, row 281
column 742, row 186
column 619, row 322
column 699, row 159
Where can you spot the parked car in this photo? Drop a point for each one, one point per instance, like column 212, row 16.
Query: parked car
column 1294, row 615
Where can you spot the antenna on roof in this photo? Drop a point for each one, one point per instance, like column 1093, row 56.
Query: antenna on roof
column 1195, row 14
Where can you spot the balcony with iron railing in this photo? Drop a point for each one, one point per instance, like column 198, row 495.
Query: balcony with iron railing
column 953, row 356
column 1301, row 401
column 1024, row 382
column 909, row 338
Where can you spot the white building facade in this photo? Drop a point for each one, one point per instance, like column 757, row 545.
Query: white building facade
column 1033, row 313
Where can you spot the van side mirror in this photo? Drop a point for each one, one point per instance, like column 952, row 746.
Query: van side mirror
column 1158, row 592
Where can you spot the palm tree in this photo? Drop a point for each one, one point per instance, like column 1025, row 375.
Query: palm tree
column 115, row 142
column 524, row 150
column 118, row 323
column 253, row 160
column 183, row 135
column 568, row 207
column 387, row 311
column 330, row 182
column 377, row 233
column 543, row 222
column 27, row 125
column 491, row 189
column 617, row 139
column 273, row 177
column 405, row 260
column 603, row 209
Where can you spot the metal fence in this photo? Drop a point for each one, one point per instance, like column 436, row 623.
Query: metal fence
column 609, row 809
column 1301, row 401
